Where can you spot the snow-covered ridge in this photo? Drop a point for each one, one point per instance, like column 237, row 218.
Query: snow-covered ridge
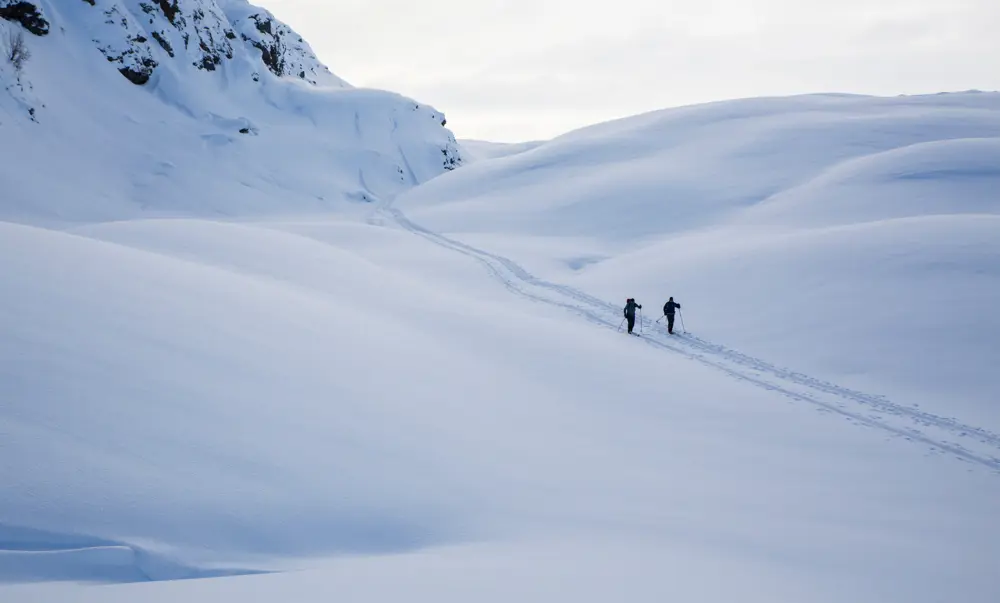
column 283, row 51
column 217, row 95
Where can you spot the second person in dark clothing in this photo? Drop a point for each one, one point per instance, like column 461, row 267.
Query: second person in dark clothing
column 668, row 311
column 630, row 306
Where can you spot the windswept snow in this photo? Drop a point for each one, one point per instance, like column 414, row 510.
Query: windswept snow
column 252, row 325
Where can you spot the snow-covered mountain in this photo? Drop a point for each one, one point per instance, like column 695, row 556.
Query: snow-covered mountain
column 252, row 322
column 217, row 93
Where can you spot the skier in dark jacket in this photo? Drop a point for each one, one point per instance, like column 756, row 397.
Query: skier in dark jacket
column 668, row 311
column 630, row 306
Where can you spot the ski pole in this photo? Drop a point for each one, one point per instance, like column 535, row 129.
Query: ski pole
column 620, row 325
column 659, row 319
column 640, row 320
column 681, row 314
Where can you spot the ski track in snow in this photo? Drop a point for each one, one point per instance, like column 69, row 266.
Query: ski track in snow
column 939, row 433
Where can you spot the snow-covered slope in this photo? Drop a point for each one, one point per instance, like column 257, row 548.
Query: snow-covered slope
column 855, row 237
column 227, row 348
column 201, row 123
column 189, row 398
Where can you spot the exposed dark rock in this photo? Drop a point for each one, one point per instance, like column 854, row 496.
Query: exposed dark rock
column 163, row 42
column 28, row 15
column 263, row 25
column 273, row 55
column 208, row 62
column 170, row 9
column 282, row 50
column 451, row 160
column 140, row 76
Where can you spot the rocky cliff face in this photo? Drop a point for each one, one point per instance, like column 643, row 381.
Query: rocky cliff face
column 189, row 52
column 193, row 107
column 123, row 41
column 137, row 36
column 140, row 35
column 282, row 51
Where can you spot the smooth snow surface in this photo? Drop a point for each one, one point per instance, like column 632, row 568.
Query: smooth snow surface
column 224, row 355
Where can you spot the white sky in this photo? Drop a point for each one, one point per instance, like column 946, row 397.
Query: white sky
column 528, row 69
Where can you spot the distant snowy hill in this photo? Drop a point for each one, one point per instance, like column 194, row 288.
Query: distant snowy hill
column 476, row 150
column 194, row 107
column 850, row 235
column 678, row 169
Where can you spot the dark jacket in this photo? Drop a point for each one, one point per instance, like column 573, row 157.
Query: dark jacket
column 668, row 308
column 630, row 307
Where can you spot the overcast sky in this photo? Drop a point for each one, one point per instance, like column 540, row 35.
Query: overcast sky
column 518, row 70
